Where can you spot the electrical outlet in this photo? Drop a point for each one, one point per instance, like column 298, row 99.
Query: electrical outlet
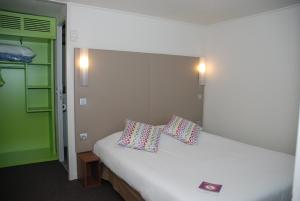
column 83, row 136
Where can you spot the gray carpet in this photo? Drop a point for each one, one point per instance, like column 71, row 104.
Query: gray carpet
column 48, row 182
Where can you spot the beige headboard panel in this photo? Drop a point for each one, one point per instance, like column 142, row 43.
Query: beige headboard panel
column 139, row 86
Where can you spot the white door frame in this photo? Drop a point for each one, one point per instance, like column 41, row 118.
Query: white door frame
column 70, row 73
column 59, row 95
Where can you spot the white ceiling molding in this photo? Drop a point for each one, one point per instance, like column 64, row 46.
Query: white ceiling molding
column 195, row 11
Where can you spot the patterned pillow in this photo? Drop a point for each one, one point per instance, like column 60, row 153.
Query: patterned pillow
column 182, row 129
column 140, row 136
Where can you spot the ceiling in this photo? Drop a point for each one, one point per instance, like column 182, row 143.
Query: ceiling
column 195, row 11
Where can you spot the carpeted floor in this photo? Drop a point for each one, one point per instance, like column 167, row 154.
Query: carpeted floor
column 48, row 182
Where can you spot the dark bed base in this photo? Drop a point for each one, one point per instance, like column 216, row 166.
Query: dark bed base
column 126, row 191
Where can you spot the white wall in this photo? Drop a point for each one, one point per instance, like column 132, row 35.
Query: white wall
column 98, row 28
column 253, row 86
column 117, row 30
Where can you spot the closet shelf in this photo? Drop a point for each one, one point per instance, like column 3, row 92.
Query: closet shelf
column 12, row 62
column 20, row 63
column 38, row 87
column 39, row 109
column 45, row 64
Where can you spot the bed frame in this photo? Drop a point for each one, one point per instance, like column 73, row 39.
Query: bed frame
column 125, row 190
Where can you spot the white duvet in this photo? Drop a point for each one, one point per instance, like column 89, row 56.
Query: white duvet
column 247, row 173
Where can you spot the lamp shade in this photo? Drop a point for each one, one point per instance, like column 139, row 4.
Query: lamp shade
column 84, row 66
column 202, row 71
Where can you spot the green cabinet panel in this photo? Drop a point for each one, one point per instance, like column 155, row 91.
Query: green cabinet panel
column 38, row 98
column 18, row 24
column 27, row 110
column 19, row 130
column 38, row 75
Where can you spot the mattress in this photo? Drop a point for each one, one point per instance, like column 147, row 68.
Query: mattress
column 174, row 173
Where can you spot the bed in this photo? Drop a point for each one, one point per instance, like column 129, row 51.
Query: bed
column 247, row 173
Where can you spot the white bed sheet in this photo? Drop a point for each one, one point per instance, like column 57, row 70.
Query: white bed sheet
column 247, row 173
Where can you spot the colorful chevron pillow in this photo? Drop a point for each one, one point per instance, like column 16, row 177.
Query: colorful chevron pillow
column 182, row 129
column 140, row 136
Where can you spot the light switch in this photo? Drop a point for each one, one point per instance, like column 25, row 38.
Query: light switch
column 82, row 101
column 74, row 35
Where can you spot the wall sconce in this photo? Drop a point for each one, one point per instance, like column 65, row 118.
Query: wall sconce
column 202, row 71
column 84, row 66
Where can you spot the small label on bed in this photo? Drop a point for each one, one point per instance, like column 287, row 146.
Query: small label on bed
column 210, row 187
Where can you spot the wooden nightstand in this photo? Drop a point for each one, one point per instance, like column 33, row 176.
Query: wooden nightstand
column 89, row 169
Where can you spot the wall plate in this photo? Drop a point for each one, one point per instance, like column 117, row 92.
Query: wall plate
column 83, row 136
column 82, row 101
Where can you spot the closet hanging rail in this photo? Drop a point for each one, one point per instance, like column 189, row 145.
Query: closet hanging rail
column 19, row 65
column 12, row 65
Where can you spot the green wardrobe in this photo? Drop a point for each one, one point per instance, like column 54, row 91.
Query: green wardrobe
column 27, row 109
